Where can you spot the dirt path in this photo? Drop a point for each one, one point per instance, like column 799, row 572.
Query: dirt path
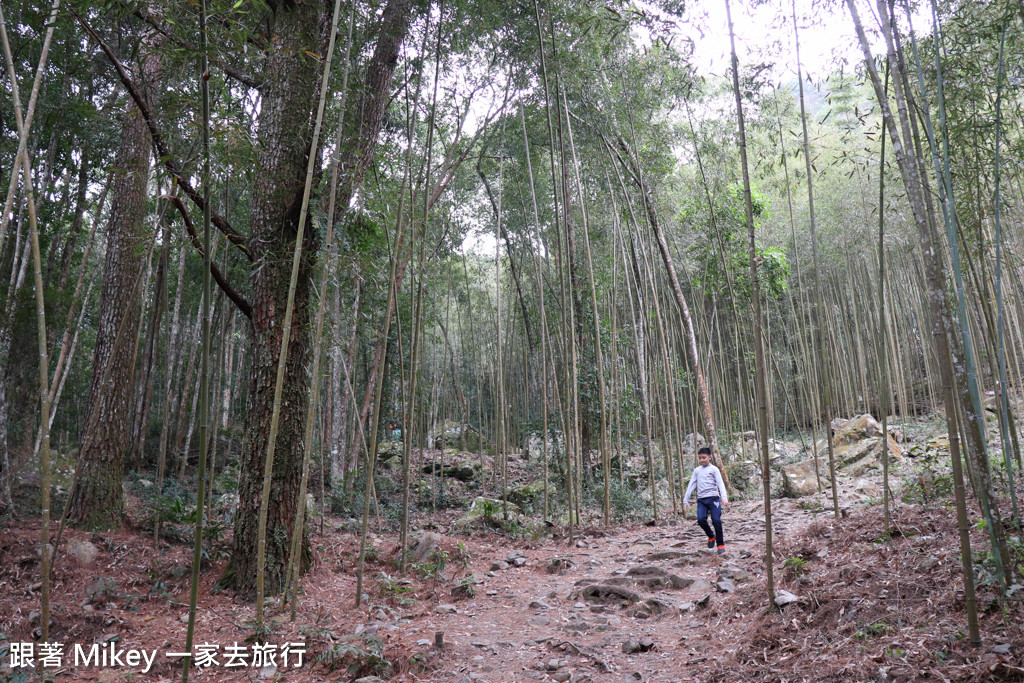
column 673, row 601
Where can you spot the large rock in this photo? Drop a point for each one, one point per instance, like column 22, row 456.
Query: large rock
column 856, row 428
column 799, row 478
column 529, row 495
column 423, row 546
column 490, row 507
column 693, row 442
column 388, row 451
column 449, row 434
column 463, row 470
column 605, row 595
column 652, row 578
column 744, row 475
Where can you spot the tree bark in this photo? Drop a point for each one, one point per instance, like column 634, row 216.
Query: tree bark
column 97, row 499
column 285, row 132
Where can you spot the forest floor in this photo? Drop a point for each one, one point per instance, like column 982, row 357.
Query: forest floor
column 620, row 603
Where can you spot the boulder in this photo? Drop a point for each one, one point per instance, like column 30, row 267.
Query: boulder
column 387, row 452
column 449, row 434
column 866, row 491
column 693, row 442
column 84, row 552
column 605, row 595
column 463, row 470
column 423, row 546
column 855, row 429
column 653, row 578
column 528, row 495
column 799, row 479
column 744, row 475
column 490, row 507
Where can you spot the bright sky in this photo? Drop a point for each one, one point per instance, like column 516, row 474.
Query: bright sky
column 765, row 34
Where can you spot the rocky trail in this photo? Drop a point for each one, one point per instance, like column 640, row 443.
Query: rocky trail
column 620, row 603
column 651, row 604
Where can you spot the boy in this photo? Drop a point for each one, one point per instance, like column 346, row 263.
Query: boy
column 711, row 496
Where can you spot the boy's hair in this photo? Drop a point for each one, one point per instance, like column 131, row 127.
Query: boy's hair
column 704, row 449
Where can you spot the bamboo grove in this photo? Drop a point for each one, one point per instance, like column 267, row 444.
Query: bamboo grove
column 538, row 221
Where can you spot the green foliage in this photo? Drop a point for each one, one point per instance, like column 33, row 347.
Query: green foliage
column 877, row 628
column 177, row 518
column 434, row 566
column 723, row 250
column 394, row 588
column 795, row 566
column 361, row 655
column 627, row 501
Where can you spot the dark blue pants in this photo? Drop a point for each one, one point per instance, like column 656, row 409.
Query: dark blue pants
column 714, row 506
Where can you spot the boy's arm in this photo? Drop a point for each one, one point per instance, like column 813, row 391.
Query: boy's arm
column 689, row 489
column 721, row 487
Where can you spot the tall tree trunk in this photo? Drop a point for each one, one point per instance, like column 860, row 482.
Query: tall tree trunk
column 285, row 132
column 938, row 303
column 97, row 499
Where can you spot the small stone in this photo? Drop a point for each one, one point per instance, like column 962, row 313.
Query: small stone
column 499, row 566
column 268, row 672
column 34, row 617
column 423, row 642
column 1002, row 649
column 536, row 604
column 369, row 679
column 519, row 561
column 554, row 664
column 580, row 605
column 183, row 618
column 646, row 644
column 703, row 602
column 446, row 609
column 513, row 556
column 725, row 586
column 478, row 658
column 783, row 598
column 84, row 552
column 562, row 676
column 641, row 614
column 540, row 621
column 577, row 626
column 492, row 592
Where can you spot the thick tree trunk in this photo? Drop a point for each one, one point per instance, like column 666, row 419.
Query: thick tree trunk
column 285, row 131
column 97, row 500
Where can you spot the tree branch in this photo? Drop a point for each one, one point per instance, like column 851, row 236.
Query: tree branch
column 230, row 71
column 160, row 145
column 244, row 306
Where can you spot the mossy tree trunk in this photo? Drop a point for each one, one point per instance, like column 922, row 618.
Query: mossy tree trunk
column 285, row 131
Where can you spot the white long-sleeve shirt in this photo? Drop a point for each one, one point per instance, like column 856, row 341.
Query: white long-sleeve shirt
column 708, row 482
